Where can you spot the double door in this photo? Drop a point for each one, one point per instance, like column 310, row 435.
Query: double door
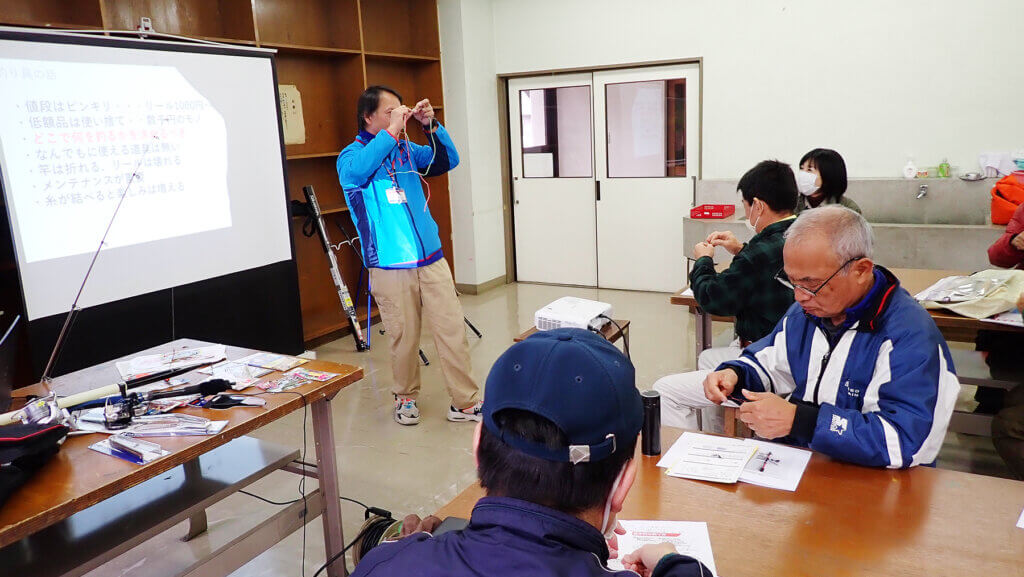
column 600, row 166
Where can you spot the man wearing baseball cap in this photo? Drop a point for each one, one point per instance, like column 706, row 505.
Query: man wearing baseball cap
column 555, row 455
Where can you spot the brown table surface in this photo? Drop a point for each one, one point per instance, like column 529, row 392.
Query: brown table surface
column 79, row 477
column 842, row 520
column 915, row 281
column 608, row 331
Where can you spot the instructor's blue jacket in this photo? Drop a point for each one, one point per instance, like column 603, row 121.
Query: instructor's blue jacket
column 514, row 538
column 880, row 392
column 395, row 227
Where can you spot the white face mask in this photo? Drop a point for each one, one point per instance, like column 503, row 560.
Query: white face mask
column 607, row 521
column 752, row 225
column 805, row 182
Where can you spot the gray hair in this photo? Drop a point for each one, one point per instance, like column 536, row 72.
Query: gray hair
column 848, row 233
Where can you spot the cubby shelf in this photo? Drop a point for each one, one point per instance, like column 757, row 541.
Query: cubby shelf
column 314, row 155
column 330, row 50
column 226, row 40
column 324, row 211
column 402, row 57
column 342, row 328
column 325, row 50
column 6, row 21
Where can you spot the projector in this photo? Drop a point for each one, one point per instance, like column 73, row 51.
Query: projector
column 572, row 312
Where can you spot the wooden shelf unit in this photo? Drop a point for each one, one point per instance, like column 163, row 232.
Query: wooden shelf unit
column 330, row 50
column 52, row 13
column 401, row 27
column 229, row 20
column 327, row 23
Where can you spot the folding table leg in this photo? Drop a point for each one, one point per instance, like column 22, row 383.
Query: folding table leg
column 327, row 467
column 196, row 523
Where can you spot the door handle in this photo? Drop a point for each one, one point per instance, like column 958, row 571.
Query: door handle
column 597, row 190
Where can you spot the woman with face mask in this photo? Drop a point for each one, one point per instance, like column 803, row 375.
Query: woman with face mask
column 821, row 180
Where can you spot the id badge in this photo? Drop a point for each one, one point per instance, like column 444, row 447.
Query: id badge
column 395, row 195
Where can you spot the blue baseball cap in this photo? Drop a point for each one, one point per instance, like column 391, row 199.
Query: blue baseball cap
column 575, row 379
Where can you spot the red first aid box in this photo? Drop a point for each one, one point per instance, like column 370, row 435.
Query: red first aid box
column 712, row 211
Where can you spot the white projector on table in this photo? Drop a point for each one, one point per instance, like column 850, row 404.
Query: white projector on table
column 572, row 312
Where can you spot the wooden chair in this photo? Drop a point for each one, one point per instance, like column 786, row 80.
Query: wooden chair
column 734, row 427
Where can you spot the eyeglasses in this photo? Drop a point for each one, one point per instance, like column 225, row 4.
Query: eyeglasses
column 784, row 280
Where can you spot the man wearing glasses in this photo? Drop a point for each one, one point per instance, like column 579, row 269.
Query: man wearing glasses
column 868, row 376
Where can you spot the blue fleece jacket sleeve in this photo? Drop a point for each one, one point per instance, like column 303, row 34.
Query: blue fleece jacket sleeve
column 907, row 407
column 445, row 158
column 357, row 163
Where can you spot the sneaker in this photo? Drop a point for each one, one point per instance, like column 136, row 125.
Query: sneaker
column 406, row 411
column 467, row 414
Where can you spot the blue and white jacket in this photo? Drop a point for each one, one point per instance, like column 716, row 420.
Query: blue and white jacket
column 395, row 228
column 880, row 393
column 514, row 538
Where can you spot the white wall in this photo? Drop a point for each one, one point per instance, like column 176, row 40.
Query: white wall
column 878, row 80
column 471, row 116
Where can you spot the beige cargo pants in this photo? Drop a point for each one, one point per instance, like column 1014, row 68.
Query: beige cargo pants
column 404, row 298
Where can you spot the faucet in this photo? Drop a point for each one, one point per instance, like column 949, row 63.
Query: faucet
column 922, row 191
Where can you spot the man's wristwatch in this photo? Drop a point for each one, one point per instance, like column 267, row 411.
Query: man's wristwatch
column 431, row 125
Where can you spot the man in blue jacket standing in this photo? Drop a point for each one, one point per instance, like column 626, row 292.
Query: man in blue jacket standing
column 555, row 455
column 868, row 376
column 381, row 174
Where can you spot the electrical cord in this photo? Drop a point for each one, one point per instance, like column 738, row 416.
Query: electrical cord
column 302, row 478
column 625, row 335
column 265, row 500
column 371, row 533
column 293, row 501
column 384, row 515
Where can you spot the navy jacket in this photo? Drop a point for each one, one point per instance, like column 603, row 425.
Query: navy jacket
column 509, row 537
column 879, row 393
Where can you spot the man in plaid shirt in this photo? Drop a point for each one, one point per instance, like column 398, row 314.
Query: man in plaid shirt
column 746, row 290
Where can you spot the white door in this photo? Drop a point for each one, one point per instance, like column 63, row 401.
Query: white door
column 553, row 197
column 647, row 137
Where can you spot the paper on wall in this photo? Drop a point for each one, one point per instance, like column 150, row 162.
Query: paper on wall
column 291, row 114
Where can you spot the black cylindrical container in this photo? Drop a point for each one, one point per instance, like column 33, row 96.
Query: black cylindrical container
column 650, row 434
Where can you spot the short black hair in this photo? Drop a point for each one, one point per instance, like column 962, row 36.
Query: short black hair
column 571, row 488
column 369, row 101
column 832, row 169
column 771, row 181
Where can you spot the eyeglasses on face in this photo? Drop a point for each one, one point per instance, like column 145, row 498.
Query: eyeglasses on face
column 784, row 280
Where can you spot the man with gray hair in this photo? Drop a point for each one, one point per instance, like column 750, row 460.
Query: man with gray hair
column 867, row 374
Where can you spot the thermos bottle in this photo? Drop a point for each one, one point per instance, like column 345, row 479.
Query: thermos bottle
column 650, row 434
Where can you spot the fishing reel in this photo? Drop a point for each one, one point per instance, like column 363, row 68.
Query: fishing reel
column 44, row 411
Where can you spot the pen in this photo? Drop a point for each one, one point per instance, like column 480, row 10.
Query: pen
column 765, row 463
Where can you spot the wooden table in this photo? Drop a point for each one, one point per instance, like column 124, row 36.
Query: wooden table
column 611, row 331
column 843, row 520
column 78, row 477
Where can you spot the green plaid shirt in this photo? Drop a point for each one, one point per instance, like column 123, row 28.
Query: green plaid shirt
column 747, row 289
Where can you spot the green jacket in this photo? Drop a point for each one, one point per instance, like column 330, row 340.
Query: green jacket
column 747, row 289
column 801, row 204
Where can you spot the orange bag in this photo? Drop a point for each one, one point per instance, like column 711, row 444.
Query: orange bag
column 1007, row 195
